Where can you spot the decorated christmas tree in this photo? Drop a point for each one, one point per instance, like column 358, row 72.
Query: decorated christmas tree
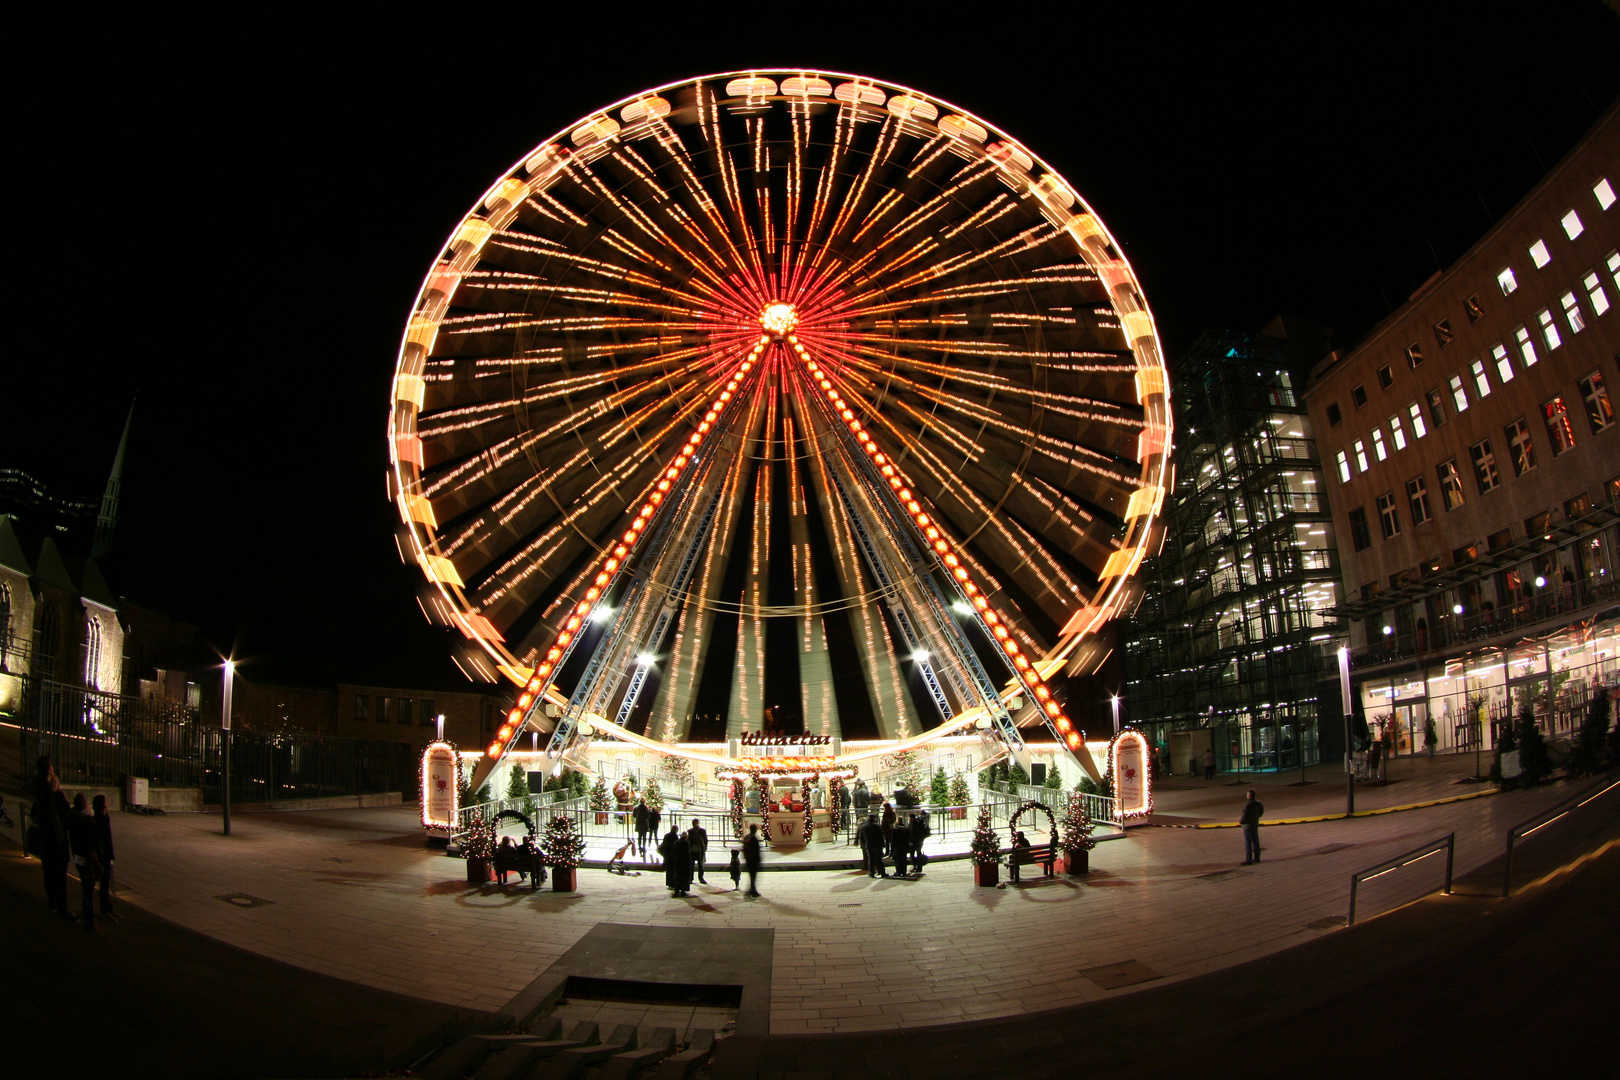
column 599, row 794
column 939, row 790
column 961, row 794
column 563, row 844
column 1076, row 826
column 1054, row 780
column 480, row 840
column 652, row 795
column 986, row 849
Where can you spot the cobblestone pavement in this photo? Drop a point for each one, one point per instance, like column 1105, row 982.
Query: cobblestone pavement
column 355, row 894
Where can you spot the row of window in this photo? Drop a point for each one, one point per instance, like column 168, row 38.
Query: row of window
column 400, row 708
column 1482, row 457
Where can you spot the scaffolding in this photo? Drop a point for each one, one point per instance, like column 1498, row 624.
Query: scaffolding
column 1233, row 632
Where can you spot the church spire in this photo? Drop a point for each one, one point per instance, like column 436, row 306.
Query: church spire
column 107, row 520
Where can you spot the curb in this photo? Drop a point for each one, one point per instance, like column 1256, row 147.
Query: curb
column 1341, row 817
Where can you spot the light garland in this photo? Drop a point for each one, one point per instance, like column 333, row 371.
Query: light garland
column 421, row 785
column 1111, row 777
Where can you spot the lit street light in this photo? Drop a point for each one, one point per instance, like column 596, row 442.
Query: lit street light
column 225, row 736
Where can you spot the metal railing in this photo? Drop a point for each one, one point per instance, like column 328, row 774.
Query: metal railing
column 1448, row 843
column 1100, row 808
column 1532, row 825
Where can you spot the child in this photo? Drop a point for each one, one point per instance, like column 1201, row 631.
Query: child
column 736, row 869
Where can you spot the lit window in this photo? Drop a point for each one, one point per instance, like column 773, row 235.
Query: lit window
column 1417, row 500
column 1522, row 450
column 1386, row 378
column 1451, row 492
column 1572, row 313
column 1414, row 355
column 1361, row 455
column 1549, row 329
column 1474, row 308
column 1344, row 467
column 1599, row 413
column 1485, row 474
column 1459, row 396
column 1538, row 254
column 1360, row 535
column 1379, row 448
column 1482, row 385
column 1572, row 225
column 1389, row 518
column 1504, row 366
column 1442, row 332
column 1559, row 434
column 1506, row 280
column 1595, row 294
column 1397, row 433
column 1358, row 395
column 1604, row 193
column 1527, row 347
column 1437, row 411
column 1415, row 411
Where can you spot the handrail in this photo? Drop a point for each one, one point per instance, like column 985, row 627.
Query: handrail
column 1417, row 854
column 1552, row 814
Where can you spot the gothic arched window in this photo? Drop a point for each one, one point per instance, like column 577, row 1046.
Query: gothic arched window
column 92, row 652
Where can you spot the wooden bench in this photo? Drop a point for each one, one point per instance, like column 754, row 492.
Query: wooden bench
column 1034, row 855
column 532, row 863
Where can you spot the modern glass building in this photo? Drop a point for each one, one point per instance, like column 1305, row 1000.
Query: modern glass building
column 1231, row 634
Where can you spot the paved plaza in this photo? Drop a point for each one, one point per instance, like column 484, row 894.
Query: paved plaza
column 354, row 894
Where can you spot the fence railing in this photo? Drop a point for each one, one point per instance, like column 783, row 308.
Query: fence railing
column 1532, row 825
column 1447, row 843
column 1100, row 808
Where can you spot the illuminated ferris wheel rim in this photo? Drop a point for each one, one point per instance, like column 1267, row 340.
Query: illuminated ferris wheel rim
column 495, row 208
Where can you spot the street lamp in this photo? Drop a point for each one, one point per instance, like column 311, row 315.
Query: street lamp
column 1114, row 702
column 225, row 736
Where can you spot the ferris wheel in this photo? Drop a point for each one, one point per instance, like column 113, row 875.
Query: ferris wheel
column 739, row 358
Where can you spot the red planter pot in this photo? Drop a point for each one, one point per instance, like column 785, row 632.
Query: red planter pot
column 958, row 813
column 480, row 871
column 563, row 878
column 1077, row 863
column 601, row 817
column 986, row 874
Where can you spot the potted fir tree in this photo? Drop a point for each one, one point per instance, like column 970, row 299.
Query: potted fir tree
column 960, row 796
column 599, row 800
column 1076, row 842
column 986, row 850
column 564, row 847
column 480, row 849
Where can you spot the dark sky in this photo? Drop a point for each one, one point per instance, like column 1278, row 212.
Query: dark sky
column 232, row 220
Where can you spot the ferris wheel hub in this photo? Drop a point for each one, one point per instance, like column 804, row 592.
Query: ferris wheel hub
column 779, row 318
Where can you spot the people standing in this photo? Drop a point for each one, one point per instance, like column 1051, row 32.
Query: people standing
column 677, row 862
column 750, row 852
column 1250, row 820
column 643, row 818
column 697, row 839
column 1209, row 763
column 85, row 845
column 104, row 835
column 870, row 837
column 862, row 797
column 920, row 831
column 887, row 821
column 900, row 848
column 655, row 821
column 49, row 824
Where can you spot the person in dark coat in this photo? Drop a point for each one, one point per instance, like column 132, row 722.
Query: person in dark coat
column 655, row 818
column 862, row 797
column 736, row 869
column 50, row 816
column 677, row 862
column 85, row 844
column 750, row 851
column 920, row 831
column 903, row 798
column 697, row 838
column 900, row 848
column 1250, row 820
column 870, row 837
column 1020, row 845
column 104, row 834
column 643, row 819
column 888, row 826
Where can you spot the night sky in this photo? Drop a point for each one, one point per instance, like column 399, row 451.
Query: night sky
column 232, row 222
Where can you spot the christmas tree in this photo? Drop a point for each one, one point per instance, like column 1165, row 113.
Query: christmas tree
column 480, row 840
column 1533, row 756
column 961, row 794
column 1016, row 774
column 563, row 844
column 985, row 847
column 1076, row 826
column 653, row 797
column 939, row 791
column 599, row 794
column 1054, row 780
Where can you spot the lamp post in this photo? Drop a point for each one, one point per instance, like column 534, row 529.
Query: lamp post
column 440, row 721
column 1344, row 695
column 225, row 736
column 1114, row 703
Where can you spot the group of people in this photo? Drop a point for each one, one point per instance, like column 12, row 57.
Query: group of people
column 685, row 856
column 884, row 835
column 80, row 833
